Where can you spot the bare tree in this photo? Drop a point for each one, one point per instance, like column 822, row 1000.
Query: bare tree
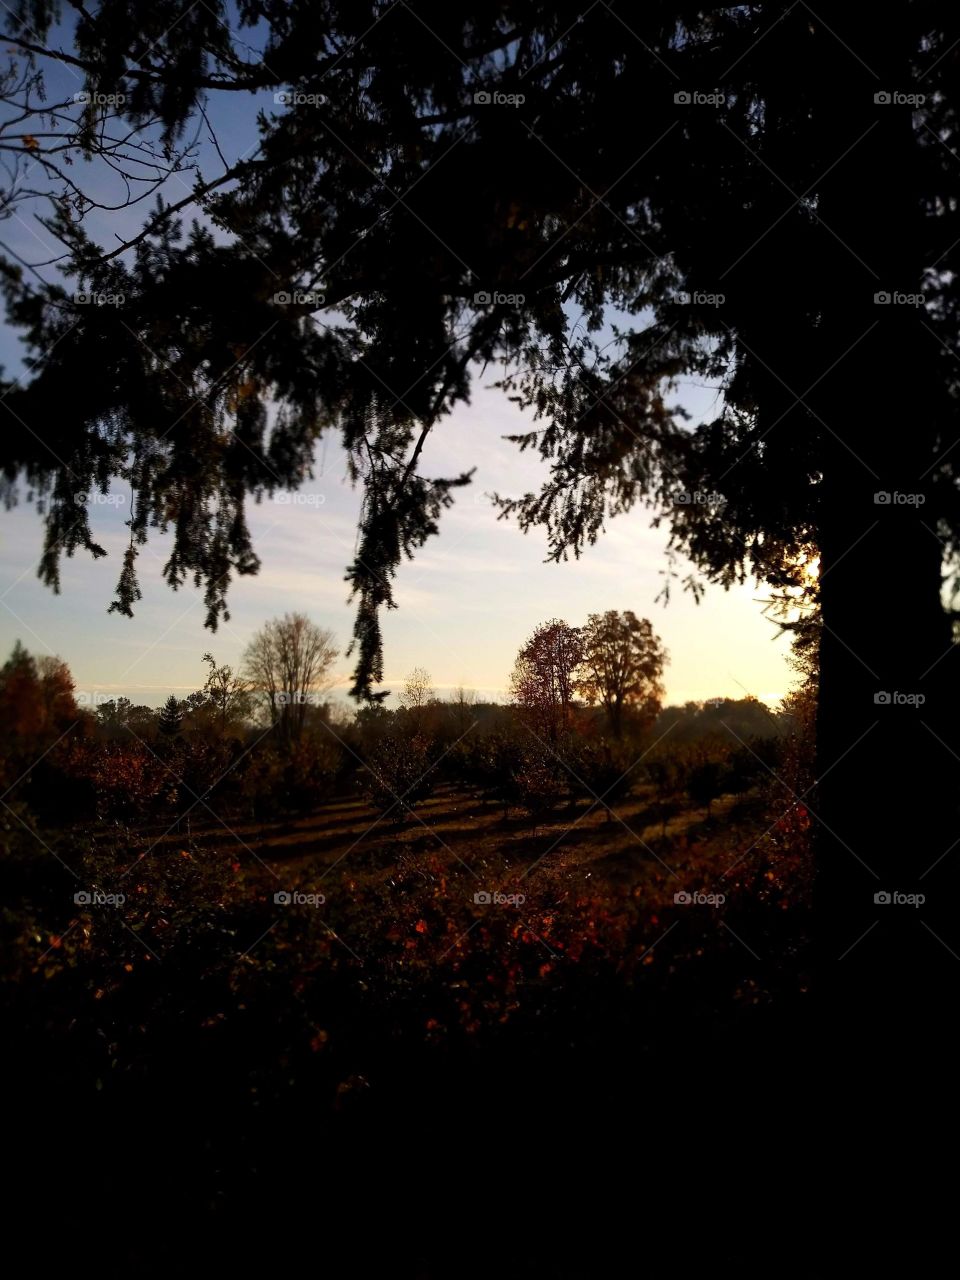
column 463, row 701
column 417, row 692
column 227, row 693
column 288, row 664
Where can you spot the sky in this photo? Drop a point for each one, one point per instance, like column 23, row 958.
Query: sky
column 466, row 603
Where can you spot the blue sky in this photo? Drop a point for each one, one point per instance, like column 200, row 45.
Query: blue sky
column 466, row 604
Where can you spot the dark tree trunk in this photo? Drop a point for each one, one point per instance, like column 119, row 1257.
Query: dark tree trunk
column 615, row 713
column 887, row 774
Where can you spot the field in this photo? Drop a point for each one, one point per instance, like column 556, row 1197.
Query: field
column 400, row 1017
column 481, row 921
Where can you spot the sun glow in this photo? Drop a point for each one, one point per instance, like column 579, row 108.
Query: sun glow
column 811, row 571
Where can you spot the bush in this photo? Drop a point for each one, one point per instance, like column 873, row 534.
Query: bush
column 308, row 776
column 276, row 780
column 401, row 773
column 540, row 783
column 705, row 783
column 743, row 770
column 603, row 772
column 490, row 765
column 129, row 781
column 667, row 775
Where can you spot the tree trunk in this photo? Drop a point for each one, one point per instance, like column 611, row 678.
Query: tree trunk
column 615, row 710
column 887, row 773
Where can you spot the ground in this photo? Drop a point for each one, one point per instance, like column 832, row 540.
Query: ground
column 379, row 1051
column 456, row 887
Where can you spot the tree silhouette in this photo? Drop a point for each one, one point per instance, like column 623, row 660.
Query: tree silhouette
column 170, row 720
column 623, row 661
column 287, row 665
column 227, row 693
column 416, row 693
column 37, row 703
column 543, row 681
column 769, row 235
column 19, row 688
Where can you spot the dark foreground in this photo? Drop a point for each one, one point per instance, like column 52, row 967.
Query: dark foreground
column 763, row 1148
column 441, row 1099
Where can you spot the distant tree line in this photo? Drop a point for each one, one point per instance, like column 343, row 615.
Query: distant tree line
column 586, row 723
